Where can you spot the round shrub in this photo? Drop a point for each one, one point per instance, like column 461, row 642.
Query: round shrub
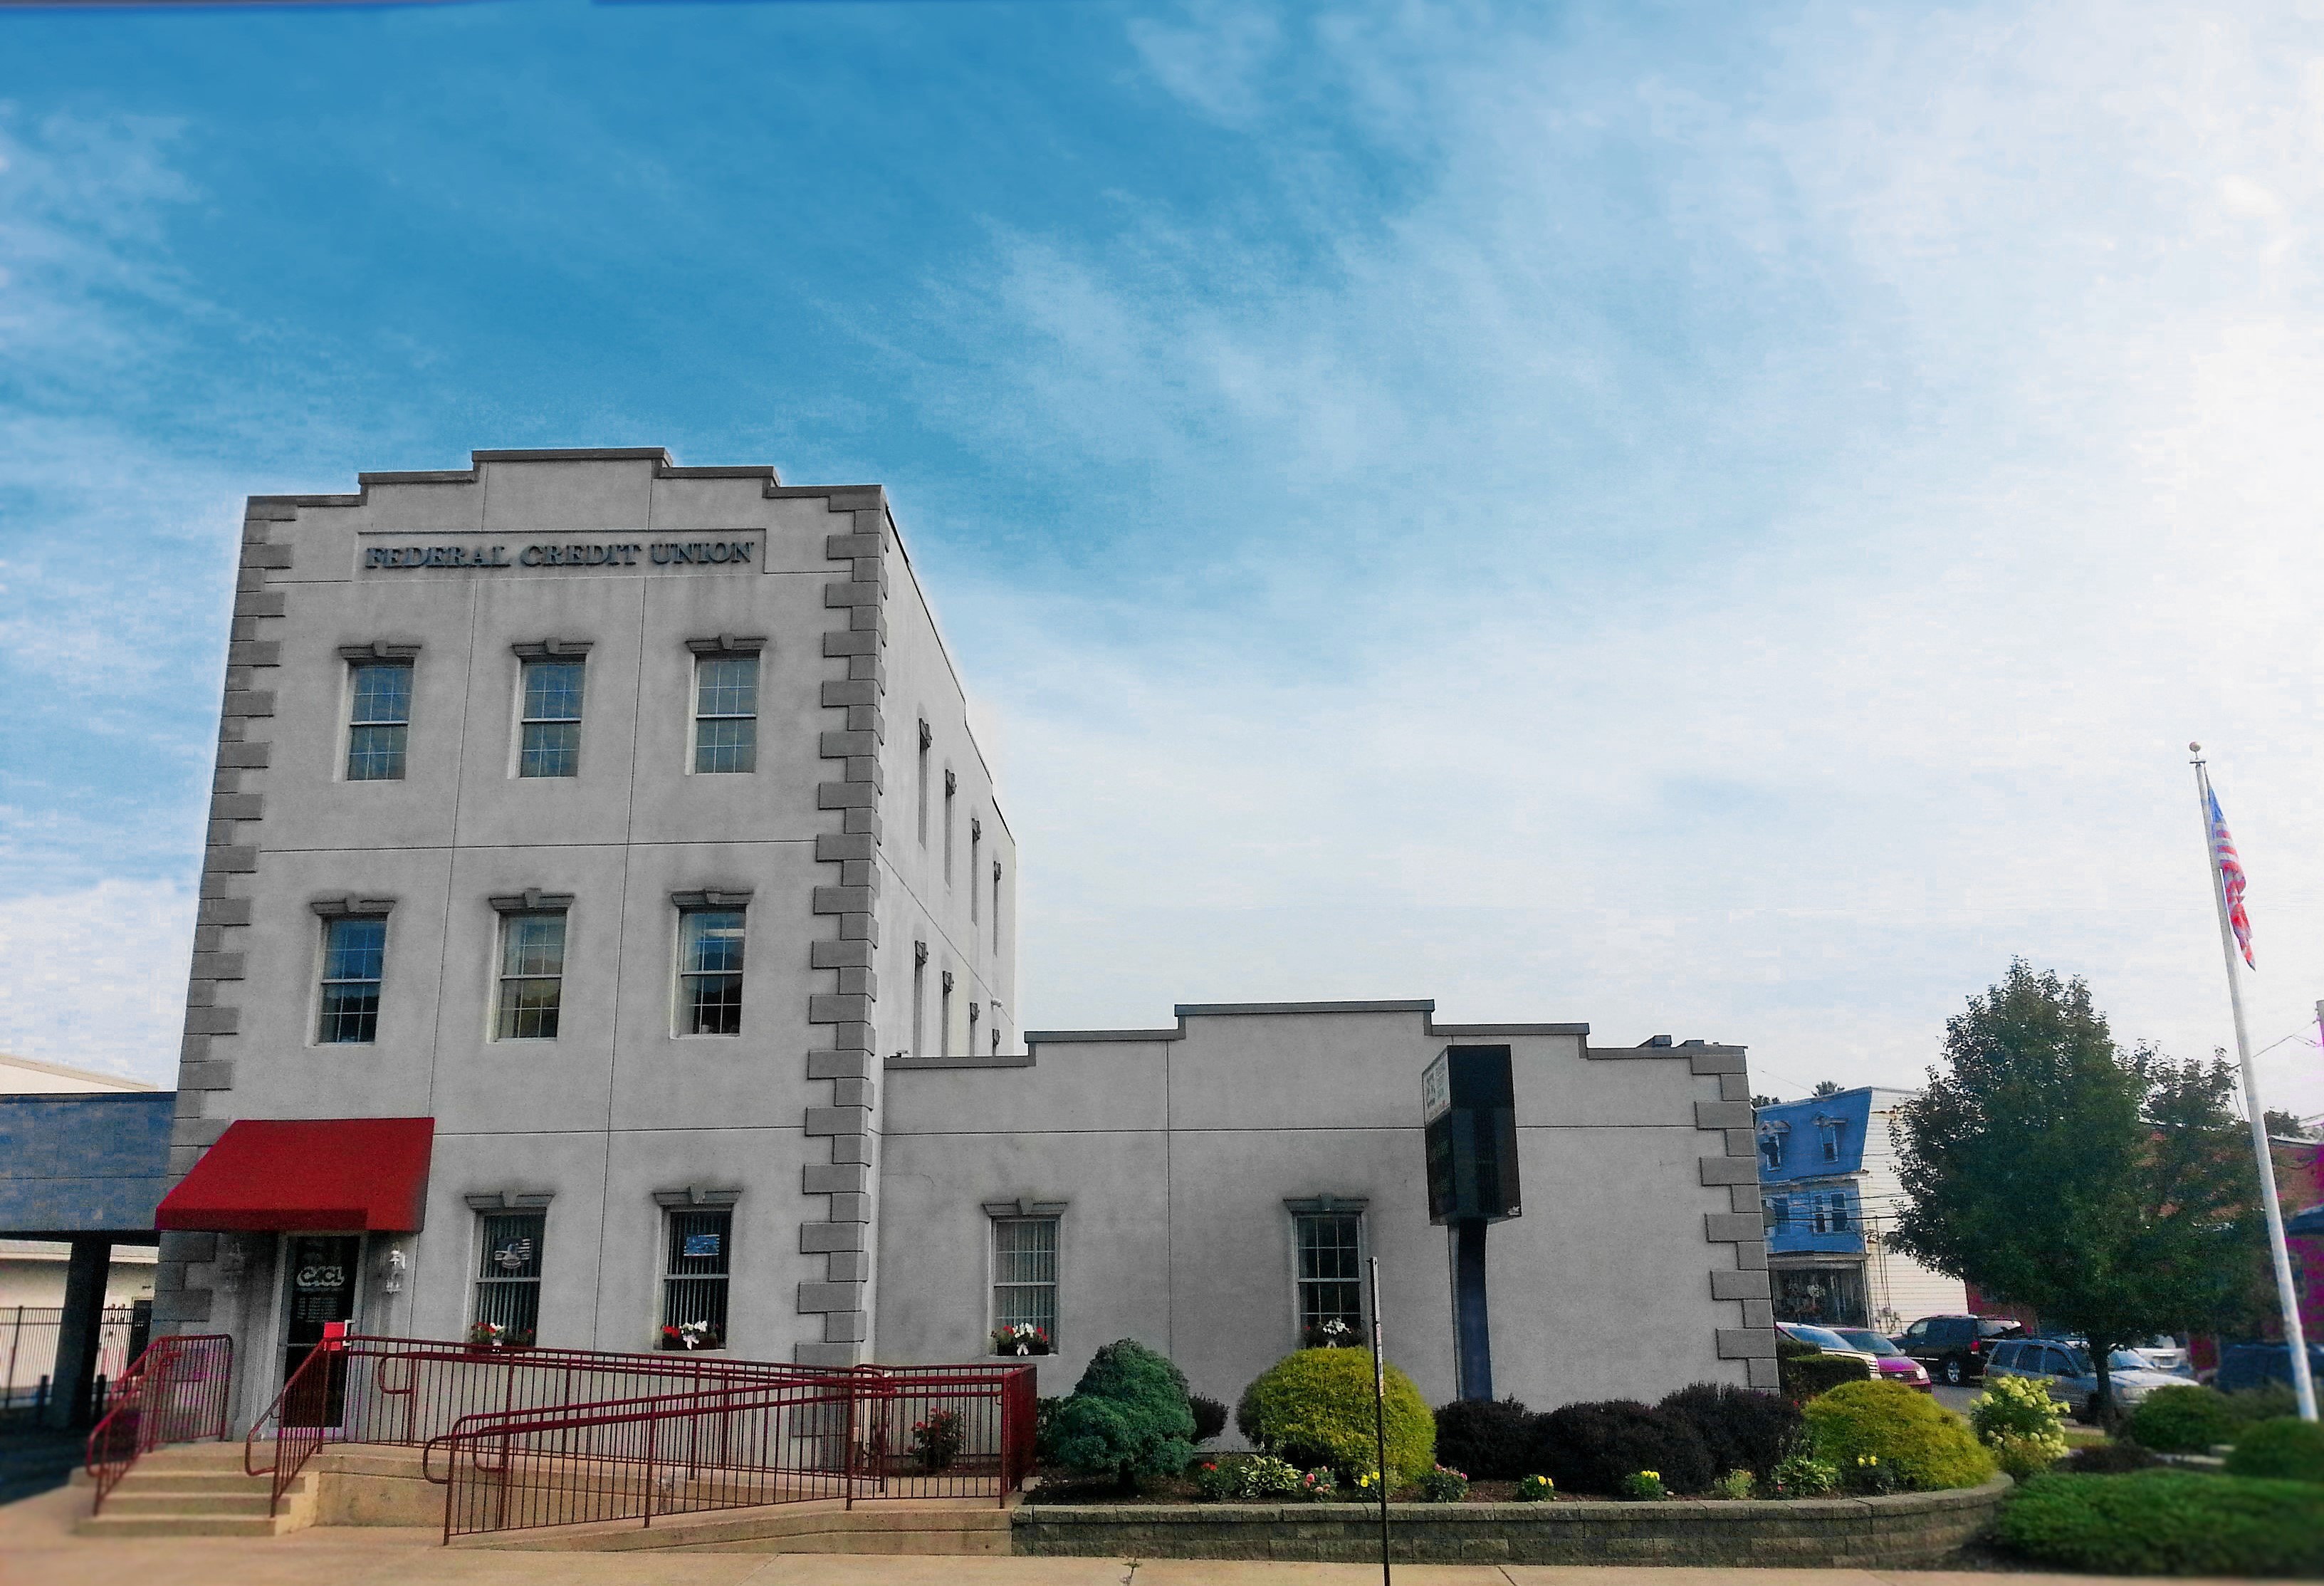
column 2183, row 1420
column 1910, row 1433
column 2270, row 1401
column 1128, row 1416
column 1804, row 1377
column 2287, row 1450
column 2167, row 1523
column 1745, row 1429
column 1596, row 1447
column 1314, row 1407
column 1210, row 1418
column 1487, row 1438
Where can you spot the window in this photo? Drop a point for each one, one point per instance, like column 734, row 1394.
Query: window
column 550, row 740
column 920, row 999
column 379, row 718
column 951, row 788
column 532, row 975
column 695, row 1273
column 975, row 841
column 927, row 738
column 726, row 713
column 996, row 906
column 944, row 1017
column 508, row 1272
column 1839, row 1214
column 1771, row 1147
column 1827, row 1130
column 710, row 971
column 1329, row 1288
column 354, row 951
column 1778, row 1212
column 996, row 1030
column 1025, row 1273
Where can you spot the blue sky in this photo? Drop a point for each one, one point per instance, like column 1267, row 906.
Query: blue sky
column 1697, row 520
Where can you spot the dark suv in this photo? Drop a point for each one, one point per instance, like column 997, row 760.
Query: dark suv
column 1954, row 1348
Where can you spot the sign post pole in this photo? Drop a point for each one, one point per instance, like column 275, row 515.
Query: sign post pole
column 1380, row 1413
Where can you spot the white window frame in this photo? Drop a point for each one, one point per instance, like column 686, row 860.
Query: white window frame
column 1021, row 1213
column 696, row 716
column 1323, row 1207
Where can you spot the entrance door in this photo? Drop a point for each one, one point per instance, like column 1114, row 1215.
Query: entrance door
column 318, row 1287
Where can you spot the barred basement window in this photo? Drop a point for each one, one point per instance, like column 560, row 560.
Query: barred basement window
column 695, row 1277
column 549, row 744
column 507, row 1273
column 1025, row 1273
column 1329, row 1288
column 378, row 720
column 355, row 955
column 710, row 971
column 532, row 975
column 726, row 713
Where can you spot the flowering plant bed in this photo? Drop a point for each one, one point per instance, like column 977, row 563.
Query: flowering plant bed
column 1022, row 1339
column 493, row 1335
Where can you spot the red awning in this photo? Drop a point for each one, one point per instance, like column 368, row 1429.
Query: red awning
column 307, row 1174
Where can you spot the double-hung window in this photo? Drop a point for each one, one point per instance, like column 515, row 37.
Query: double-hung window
column 355, row 958
column 549, row 742
column 507, row 1273
column 726, row 710
column 709, row 972
column 1827, row 1130
column 1025, row 1273
column 695, row 1273
column 531, row 975
column 1329, row 1288
column 1778, row 1213
column 379, row 719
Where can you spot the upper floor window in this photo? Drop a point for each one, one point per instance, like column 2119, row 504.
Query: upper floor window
column 951, row 788
column 379, row 719
column 1025, row 1275
column 1771, row 1147
column 1827, row 1132
column 710, row 971
column 726, row 713
column 355, row 954
column 996, row 906
column 927, row 738
column 549, row 734
column 694, row 1276
column 1329, row 1287
column 975, row 841
column 533, row 974
column 508, row 1274
column 1777, row 1213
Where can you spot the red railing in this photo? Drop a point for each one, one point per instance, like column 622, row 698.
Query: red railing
column 418, row 1392
column 177, row 1391
column 934, row 1432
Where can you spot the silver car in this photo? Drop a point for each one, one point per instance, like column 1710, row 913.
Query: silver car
column 2067, row 1370
column 2165, row 1353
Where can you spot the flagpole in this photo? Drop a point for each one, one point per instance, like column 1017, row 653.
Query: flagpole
column 2287, row 1296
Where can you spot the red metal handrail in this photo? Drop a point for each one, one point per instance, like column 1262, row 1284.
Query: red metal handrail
column 177, row 1391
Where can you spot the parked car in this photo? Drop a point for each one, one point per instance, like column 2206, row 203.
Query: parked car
column 2166, row 1353
column 1825, row 1339
column 1893, row 1363
column 2255, row 1365
column 2065, row 1368
column 1954, row 1348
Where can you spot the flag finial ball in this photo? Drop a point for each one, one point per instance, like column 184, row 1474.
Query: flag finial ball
column 2195, row 749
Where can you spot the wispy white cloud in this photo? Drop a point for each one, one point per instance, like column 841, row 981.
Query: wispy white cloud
column 96, row 977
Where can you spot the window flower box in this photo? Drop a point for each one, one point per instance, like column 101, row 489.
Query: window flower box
column 1022, row 1339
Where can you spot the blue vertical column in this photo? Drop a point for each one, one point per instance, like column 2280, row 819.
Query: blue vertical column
column 1473, row 1332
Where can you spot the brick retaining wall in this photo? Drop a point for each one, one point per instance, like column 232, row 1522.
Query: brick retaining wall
column 1862, row 1533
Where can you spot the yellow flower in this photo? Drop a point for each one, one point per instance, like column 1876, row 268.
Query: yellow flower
column 1656, row 1475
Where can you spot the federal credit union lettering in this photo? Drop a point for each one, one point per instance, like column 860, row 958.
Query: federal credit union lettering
column 596, row 554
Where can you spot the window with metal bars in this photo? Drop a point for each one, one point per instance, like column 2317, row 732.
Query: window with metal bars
column 355, row 958
column 508, row 1275
column 695, row 1273
column 710, row 971
column 532, row 975
column 549, row 740
column 1330, row 1288
column 379, row 717
column 1025, row 1275
column 725, row 714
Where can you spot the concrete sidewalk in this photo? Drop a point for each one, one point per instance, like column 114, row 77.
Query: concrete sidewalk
column 38, row 1548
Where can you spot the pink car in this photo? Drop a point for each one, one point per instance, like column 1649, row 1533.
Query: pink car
column 1893, row 1364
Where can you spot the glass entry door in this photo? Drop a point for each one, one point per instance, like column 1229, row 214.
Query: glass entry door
column 318, row 1278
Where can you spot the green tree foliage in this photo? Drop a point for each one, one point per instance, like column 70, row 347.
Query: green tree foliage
column 1129, row 1416
column 2287, row 1126
column 2113, row 1191
column 1314, row 1407
column 1826, row 1087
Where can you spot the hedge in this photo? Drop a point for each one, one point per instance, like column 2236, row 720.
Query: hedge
column 1743, row 1428
column 1486, row 1440
column 1314, row 1407
column 2167, row 1523
column 2287, row 1450
column 1596, row 1447
column 1804, row 1377
column 1921, row 1441
column 2183, row 1420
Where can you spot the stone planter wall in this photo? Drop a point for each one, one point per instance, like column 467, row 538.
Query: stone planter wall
column 1861, row 1532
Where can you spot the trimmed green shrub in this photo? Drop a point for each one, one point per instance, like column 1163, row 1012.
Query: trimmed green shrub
column 1736, row 1484
column 1210, row 1418
column 1487, row 1438
column 1804, row 1377
column 1910, row 1433
column 2290, row 1450
column 1743, row 1428
column 1595, row 1447
column 1314, row 1407
column 2270, row 1401
column 2183, row 1420
column 1128, row 1417
column 2167, row 1523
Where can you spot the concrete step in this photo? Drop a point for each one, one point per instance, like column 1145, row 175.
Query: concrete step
column 143, row 1478
column 110, row 1523
column 169, row 1502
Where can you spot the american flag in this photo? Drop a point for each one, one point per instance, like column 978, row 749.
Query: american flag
column 2231, row 879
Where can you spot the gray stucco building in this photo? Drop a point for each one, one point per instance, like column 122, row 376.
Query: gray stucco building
column 608, row 930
